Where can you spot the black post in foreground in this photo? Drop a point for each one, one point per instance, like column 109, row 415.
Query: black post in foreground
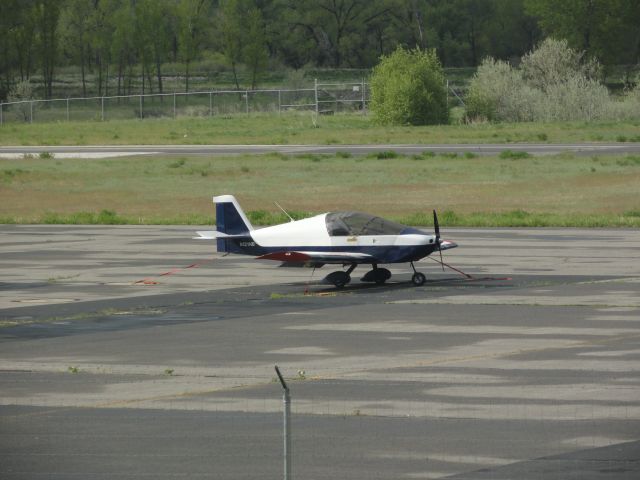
column 286, row 398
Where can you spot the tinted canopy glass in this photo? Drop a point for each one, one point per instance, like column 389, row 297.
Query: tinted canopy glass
column 355, row 223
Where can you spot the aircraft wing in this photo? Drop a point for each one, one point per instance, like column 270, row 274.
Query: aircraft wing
column 318, row 257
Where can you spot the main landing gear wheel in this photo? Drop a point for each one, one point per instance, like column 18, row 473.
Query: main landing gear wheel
column 340, row 279
column 382, row 275
column 377, row 275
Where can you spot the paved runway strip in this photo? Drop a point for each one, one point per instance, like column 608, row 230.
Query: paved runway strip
column 92, row 151
column 533, row 377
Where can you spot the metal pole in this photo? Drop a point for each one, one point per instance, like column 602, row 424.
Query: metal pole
column 279, row 101
column 174, row 104
column 1, row 105
column 210, row 103
column 364, row 108
column 31, row 111
column 102, row 108
column 140, row 107
column 316, row 92
column 67, row 109
column 286, row 398
column 246, row 100
column 447, row 93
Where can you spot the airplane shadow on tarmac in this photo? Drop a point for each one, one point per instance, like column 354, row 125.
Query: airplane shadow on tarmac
column 440, row 283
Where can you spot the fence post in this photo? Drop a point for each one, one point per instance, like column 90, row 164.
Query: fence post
column 31, row 111
column 447, row 93
column 315, row 88
column 67, row 109
column 174, row 105
column 279, row 101
column 1, row 105
column 140, row 107
column 102, row 108
column 246, row 100
column 364, row 106
column 210, row 103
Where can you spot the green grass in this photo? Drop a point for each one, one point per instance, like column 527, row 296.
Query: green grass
column 561, row 190
column 301, row 128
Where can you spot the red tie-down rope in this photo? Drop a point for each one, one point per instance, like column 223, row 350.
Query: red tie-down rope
column 471, row 278
column 150, row 281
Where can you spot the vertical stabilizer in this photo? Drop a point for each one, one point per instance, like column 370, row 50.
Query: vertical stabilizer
column 230, row 219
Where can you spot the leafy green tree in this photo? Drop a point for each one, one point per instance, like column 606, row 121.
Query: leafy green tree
column 335, row 25
column 192, row 28
column 232, row 35
column 575, row 20
column 409, row 17
column 608, row 29
column 123, row 45
column 47, row 14
column 511, row 31
column 25, row 37
column 152, row 36
column 255, row 52
column 17, row 42
column 408, row 87
column 77, row 28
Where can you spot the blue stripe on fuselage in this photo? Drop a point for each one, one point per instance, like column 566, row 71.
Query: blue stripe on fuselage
column 381, row 254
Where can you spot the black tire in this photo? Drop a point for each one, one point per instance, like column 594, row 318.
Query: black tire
column 418, row 279
column 339, row 279
column 382, row 276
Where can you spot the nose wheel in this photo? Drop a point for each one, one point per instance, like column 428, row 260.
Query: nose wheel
column 418, row 278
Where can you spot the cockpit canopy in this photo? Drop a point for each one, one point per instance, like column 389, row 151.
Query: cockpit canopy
column 341, row 224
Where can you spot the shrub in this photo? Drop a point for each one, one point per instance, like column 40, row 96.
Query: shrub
column 514, row 155
column 22, row 92
column 553, row 83
column 498, row 92
column 408, row 88
column 554, row 63
column 577, row 98
column 384, row 155
column 628, row 107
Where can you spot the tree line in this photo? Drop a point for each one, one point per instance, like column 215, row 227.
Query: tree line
column 119, row 43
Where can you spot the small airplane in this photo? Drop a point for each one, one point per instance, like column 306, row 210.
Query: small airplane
column 343, row 238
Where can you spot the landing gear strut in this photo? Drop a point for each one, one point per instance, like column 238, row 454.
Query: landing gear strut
column 418, row 278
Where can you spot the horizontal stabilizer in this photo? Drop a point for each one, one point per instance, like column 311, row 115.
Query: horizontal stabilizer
column 214, row 234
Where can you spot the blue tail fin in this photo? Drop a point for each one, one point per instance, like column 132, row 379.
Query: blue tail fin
column 230, row 219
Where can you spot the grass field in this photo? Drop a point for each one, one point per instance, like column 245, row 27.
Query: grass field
column 303, row 128
column 562, row 190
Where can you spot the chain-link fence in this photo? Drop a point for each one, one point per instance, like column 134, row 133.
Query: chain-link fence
column 323, row 98
column 340, row 429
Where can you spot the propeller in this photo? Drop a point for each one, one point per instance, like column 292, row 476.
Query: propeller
column 436, row 226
